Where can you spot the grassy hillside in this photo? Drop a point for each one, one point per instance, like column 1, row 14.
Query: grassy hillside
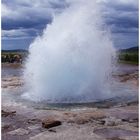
column 13, row 56
column 130, row 55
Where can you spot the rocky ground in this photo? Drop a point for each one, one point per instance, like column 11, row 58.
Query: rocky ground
column 116, row 123
column 21, row 122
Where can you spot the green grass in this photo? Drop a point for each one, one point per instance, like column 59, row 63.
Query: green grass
column 129, row 56
column 11, row 56
column 128, row 62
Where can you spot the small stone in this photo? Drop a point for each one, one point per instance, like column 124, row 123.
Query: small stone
column 34, row 127
column 86, row 117
column 6, row 127
column 8, row 113
column 33, row 121
column 111, row 121
column 115, row 138
column 19, row 132
column 51, row 130
column 102, row 122
column 50, row 123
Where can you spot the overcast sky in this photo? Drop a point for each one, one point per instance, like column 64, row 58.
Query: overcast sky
column 23, row 20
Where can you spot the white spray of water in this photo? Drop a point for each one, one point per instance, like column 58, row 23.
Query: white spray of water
column 71, row 61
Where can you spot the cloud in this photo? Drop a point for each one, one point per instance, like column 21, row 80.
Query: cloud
column 121, row 16
column 125, row 40
column 23, row 20
column 120, row 3
column 19, row 33
column 24, row 17
column 29, row 13
column 28, row 18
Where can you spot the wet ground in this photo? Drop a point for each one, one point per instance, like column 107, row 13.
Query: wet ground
column 115, row 118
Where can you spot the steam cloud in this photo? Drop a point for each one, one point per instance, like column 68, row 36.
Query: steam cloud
column 71, row 61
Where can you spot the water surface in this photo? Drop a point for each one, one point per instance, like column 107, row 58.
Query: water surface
column 122, row 92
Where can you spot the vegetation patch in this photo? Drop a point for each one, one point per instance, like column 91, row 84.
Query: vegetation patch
column 130, row 55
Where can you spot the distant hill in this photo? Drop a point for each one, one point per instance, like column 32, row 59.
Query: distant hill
column 132, row 49
column 13, row 56
column 17, row 50
column 130, row 55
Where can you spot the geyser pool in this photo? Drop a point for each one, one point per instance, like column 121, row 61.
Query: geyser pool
column 71, row 61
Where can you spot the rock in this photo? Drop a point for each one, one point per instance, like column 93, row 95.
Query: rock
column 68, row 133
column 51, row 130
column 86, row 117
column 34, row 127
column 6, row 113
column 101, row 122
column 48, row 123
column 112, row 121
column 12, row 82
column 115, row 138
column 111, row 133
column 6, row 127
column 81, row 120
column 19, row 132
column 133, row 120
column 33, row 121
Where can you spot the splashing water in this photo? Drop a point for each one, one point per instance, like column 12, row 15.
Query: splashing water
column 71, row 61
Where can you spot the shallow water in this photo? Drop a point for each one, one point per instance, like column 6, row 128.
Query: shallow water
column 13, row 98
column 122, row 92
column 17, row 69
column 9, row 70
column 125, row 68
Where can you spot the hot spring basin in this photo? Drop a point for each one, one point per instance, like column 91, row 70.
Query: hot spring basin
column 115, row 132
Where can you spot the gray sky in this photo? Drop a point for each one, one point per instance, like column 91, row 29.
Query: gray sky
column 23, row 20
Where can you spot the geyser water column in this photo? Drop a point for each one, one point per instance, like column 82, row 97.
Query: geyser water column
column 71, row 61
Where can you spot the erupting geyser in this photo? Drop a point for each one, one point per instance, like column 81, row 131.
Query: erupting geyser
column 71, row 61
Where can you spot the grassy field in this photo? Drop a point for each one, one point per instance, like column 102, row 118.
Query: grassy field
column 13, row 56
column 130, row 56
